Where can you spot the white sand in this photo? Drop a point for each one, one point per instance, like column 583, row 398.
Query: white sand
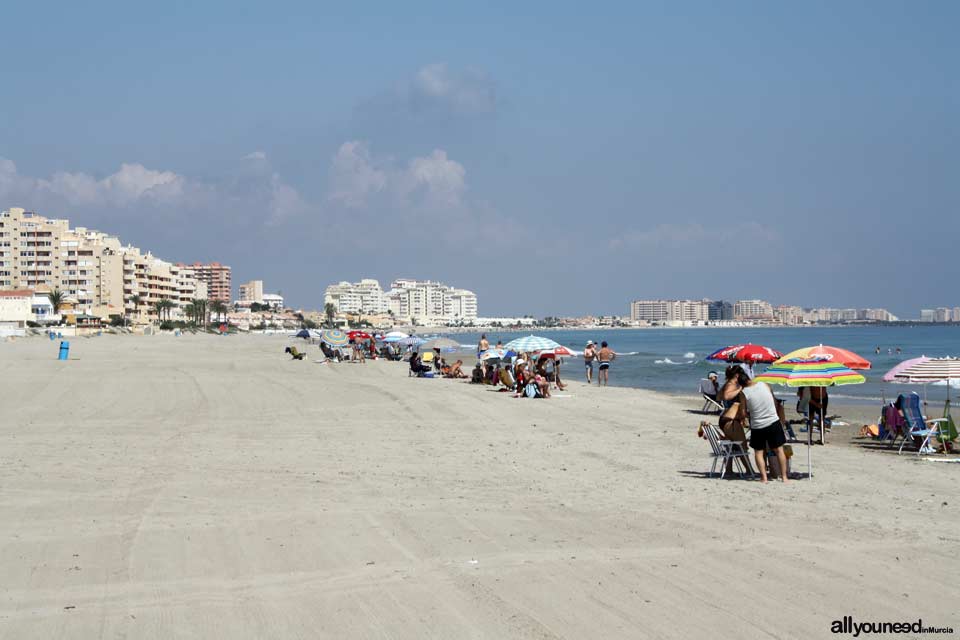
column 205, row 487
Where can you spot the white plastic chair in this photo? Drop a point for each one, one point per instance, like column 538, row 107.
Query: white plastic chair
column 708, row 388
column 724, row 450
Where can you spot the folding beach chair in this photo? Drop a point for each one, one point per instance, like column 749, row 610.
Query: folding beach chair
column 708, row 388
column 917, row 425
column 891, row 425
column 724, row 450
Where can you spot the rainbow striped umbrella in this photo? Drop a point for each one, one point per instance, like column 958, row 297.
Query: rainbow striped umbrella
column 335, row 337
column 832, row 354
column 815, row 372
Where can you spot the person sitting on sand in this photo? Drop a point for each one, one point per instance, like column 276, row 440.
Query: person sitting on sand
column 294, row 353
column 456, row 370
column 520, row 376
column 477, row 376
column 416, row 366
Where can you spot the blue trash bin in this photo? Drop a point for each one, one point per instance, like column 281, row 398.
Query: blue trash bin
column 64, row 350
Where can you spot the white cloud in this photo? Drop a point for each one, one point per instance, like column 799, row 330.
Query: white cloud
column 353, row 175
column 442, row 180
column 134, row 186
column 356, row 178
column 465, row 92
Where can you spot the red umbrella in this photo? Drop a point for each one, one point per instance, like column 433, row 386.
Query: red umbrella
column 746, row 353
column 358, row 335
column 560, row 351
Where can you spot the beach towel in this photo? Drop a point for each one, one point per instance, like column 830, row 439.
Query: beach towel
column 532, row 390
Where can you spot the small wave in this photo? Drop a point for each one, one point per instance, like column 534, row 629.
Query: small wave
column 689, row 355
column 629, row 353
column 665, row 361
column 954, row 383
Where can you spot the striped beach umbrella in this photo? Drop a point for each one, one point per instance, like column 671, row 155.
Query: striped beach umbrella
column 558, row 352
column 394, row 336
column 801, row 372
column 531, row 343
column 414, row 341
column 830, row 354
column 492, row 354
column 798, row 372
column 335, row 338
column 923, row 370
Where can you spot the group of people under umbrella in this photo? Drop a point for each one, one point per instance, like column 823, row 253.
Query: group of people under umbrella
column 813, row 369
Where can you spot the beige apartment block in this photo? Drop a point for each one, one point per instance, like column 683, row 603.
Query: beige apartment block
column 250, row 292
column 98, row 275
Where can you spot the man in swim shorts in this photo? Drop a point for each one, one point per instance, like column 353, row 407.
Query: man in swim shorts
column 605, row 356
column 589, row 355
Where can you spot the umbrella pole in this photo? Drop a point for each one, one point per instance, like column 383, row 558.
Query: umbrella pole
column 809, row 447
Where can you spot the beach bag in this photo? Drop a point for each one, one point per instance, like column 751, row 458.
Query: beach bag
column 531, row 390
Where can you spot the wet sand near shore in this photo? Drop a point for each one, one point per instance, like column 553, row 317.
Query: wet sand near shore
column 210, row 486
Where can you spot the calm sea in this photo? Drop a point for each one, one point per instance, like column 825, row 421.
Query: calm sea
column 672, row 360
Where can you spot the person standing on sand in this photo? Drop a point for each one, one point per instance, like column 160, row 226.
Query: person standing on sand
column 589, row 355
column 483, row 345
column 606, row 355
column 766, row 430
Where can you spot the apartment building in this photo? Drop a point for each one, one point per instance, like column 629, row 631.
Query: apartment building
column 250, row 292
column 365, row 296
column 752, row 310
column 216, row 276
column 426, row 301
column 97, row 274
column 671, row 311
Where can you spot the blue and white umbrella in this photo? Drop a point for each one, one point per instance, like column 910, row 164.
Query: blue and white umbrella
column 492, row 354
column 395, row 336
column 414, row 341
column 531, row 343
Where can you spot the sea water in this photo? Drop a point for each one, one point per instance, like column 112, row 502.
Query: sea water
column 673, row 360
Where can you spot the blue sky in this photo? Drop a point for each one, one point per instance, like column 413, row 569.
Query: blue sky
column 554, row 159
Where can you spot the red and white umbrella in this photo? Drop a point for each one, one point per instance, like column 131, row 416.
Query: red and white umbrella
column 557, row 352
column 746, row 353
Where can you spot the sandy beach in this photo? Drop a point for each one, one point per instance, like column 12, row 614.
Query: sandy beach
column 210, row 487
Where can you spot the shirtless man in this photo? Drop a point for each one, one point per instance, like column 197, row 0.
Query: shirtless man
column 606, row 355
column 482, row 346
column 589, row 355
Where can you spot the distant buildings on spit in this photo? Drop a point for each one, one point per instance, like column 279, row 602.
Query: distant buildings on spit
column 743, row 312
column 407, row 301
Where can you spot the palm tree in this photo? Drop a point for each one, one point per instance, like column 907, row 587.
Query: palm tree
column 158, row 308
column 136, row 300
column 218, row 307
column 331, row 311
column 168, row 306
column 190, row 310
column 57, row 298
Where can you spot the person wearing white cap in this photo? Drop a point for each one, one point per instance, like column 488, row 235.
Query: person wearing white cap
column 589, row 355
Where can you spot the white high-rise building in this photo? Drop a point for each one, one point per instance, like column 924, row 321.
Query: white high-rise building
column 670, row 310
column 365, row 296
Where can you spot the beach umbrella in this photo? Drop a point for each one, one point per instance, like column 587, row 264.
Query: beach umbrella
column 303, row 333
column 395, row 334
column 444, row 344
column 558, row 352
column 531, row 343
column 831, row 354
column 745, row 353
column 492, row 354
column 335, row 337
column 358, row 335
column 414, row 341
column 924, row 370
column 798, row 372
